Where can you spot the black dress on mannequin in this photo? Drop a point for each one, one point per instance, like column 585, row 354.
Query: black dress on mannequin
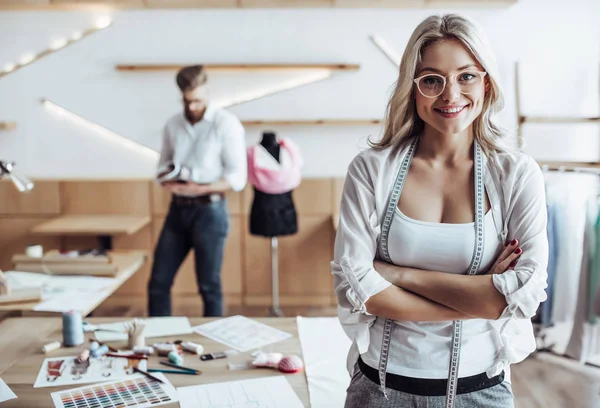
column 272, row 215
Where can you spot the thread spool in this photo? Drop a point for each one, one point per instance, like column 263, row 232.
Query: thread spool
column 55, row 345
column 192, row 347
column 175, row 358
column 72, row 328
column 100, row 351
column 147, row 350
column 84, row 355
column 94, row 345
column 163, row 349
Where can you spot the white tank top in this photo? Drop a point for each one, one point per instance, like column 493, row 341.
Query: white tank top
column 422, row 349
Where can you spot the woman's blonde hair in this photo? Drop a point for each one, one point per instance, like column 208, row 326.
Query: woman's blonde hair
column 402, row 121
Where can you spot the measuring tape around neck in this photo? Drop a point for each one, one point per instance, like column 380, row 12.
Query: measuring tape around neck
column 474, row 266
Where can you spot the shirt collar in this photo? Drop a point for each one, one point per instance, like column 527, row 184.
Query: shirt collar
column 211, row 111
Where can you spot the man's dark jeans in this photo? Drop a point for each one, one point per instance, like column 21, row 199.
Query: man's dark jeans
column 203, row 227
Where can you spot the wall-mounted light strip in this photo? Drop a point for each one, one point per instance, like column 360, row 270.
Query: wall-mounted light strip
column 109, row 135
column 387, row 49
column 55, row 45
column 270, row 90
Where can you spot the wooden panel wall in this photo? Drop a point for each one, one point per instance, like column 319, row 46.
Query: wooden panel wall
column 304, row 258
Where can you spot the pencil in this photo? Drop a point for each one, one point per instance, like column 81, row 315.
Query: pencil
column 129, row 356
column 160, row 370
column 181, row 367
column 137, row 370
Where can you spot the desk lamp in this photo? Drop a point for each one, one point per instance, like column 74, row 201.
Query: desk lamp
column 22, row 183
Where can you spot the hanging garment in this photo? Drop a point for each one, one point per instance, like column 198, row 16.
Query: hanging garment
column 585, row 337
column 271, row 176
column 594, row 293
column 553, row 231
column 570, row 191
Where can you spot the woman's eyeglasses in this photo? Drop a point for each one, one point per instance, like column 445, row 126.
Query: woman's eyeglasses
column 433, row 85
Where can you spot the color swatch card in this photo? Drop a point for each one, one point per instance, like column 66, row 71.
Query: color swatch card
column 138, row 392
column 68, row 371
column 241, row 333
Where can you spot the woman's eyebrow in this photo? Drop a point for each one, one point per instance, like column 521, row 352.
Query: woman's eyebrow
column 440, row 72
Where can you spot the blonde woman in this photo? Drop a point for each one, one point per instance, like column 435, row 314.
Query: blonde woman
column 441, row 249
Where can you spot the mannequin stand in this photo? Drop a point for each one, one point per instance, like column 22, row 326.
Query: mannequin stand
column 274, row 310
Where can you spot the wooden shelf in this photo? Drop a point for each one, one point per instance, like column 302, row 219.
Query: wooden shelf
column 307, row 122
column 557, row 119
column 8, row 125
column 239, row 67
column 569, row 166
column 86, row 5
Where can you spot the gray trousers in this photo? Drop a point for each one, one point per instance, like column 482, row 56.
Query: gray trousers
column 363, row 393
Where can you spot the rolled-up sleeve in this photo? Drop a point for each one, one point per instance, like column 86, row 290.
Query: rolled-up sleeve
column 355, row 279
column 233, row 156
column 524, row 285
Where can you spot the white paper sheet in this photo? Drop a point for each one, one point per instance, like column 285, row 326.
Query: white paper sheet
column 325, row 349
column 63, row 293
column 155, row 327
column 67, row 371
column 267, row 392
column 5, row 392
column 140, row 392
column 241, row 333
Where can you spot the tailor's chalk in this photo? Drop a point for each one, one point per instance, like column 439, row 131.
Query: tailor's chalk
column 175, row 358
column 218, row 354
column 84, row 355
column 55, row 345
column 192, row 347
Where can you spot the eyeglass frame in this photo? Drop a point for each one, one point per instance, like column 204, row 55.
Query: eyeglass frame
column 416, row 81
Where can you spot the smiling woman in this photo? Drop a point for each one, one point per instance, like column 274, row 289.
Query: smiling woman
column 441, row 251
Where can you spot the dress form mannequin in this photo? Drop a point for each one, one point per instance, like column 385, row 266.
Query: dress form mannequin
column 269, row 142
column 273, row 215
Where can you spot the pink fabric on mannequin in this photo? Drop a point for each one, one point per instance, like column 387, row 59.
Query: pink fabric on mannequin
column 275, row 181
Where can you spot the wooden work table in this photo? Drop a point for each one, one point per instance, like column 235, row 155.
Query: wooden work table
column 21, row 341
column 127, row 262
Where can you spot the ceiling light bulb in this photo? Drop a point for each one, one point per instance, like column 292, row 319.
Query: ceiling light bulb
column 58, row 43
column 76, row 35
column 9, row 67
column 103, row 22
column 26, row 59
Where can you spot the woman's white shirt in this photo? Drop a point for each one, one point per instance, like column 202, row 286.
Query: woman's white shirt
column 420, row 349
column 515, row 187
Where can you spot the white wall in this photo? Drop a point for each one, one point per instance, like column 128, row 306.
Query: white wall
column 557, row 42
